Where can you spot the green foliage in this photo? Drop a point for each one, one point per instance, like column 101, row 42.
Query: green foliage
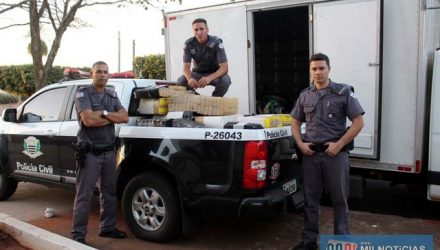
column 150, row 67
column 43, row 48
column 20, row 79
column 6, row 98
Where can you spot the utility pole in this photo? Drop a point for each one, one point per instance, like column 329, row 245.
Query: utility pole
column 119, row 51
column 134, row 55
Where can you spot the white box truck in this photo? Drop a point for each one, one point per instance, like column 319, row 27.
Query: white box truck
column 384, row 48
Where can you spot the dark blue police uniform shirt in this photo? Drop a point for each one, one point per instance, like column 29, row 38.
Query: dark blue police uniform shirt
column 207, row 57
column 88, row 98
column 325, row 112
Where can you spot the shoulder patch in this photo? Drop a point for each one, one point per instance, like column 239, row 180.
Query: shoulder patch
column 80, row 91
column 111, row 92
column 214, row 41
column 221, row 46
column 340, row 89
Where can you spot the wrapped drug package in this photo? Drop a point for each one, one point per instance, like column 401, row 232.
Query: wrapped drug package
column 268, row 121
column 205, row 105
column 155, row 91
column 153, row 106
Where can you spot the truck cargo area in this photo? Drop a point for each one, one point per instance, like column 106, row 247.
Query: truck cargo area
column 281, row 49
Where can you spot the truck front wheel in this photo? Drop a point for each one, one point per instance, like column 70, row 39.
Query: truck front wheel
column 150, row 206
column 7, row 187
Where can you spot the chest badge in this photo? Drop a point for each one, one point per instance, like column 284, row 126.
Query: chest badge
column 192, row 51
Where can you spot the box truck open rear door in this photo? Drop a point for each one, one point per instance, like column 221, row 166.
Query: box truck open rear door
column 434, row 134
column 349, row 32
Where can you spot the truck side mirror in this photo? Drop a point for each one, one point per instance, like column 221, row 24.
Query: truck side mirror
column 10, row 115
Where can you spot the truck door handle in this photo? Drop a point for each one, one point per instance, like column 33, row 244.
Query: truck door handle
column 50, row 133
column 373, row 64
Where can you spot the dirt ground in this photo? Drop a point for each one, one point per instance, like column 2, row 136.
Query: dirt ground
column 384, row 210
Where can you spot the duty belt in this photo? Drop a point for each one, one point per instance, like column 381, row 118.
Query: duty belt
column 98, row 149
column 206, row 71
column 320, row 147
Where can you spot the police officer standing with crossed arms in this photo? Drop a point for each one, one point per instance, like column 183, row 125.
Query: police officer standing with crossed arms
column 324, row 107
column 98, row 110
column 210, row 62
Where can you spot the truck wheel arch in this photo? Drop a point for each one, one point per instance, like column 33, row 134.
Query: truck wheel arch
column 132, row 167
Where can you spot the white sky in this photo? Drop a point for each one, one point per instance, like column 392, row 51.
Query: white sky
column 82, row 47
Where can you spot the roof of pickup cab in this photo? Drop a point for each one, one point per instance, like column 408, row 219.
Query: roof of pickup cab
column 111, row 81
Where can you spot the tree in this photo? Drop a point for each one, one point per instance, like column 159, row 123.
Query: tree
column 60, row 15
column 150, row 67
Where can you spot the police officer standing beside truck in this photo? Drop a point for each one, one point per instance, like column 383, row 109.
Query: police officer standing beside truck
column 210, row 62
column 324, row 107
column 98, row 110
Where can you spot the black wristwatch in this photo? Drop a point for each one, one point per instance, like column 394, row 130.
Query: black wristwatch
column 104, row 114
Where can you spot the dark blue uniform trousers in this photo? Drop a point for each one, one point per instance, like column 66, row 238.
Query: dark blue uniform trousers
column 221, row 84
column 100, row 167
column 319, row 171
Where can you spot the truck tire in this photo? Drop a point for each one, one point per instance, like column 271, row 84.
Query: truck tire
column 7, row 187
column 150, row 205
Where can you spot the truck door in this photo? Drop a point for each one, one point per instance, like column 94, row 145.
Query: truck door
column 434, row 134
column 349, row 32
column 33, row 141
column 227, row 23
column 68, row 131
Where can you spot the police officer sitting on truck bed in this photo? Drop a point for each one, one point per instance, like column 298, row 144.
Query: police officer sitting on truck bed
column 98, row 110
column 210, row 62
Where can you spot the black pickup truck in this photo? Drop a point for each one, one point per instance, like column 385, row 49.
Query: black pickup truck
column 167, row 175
